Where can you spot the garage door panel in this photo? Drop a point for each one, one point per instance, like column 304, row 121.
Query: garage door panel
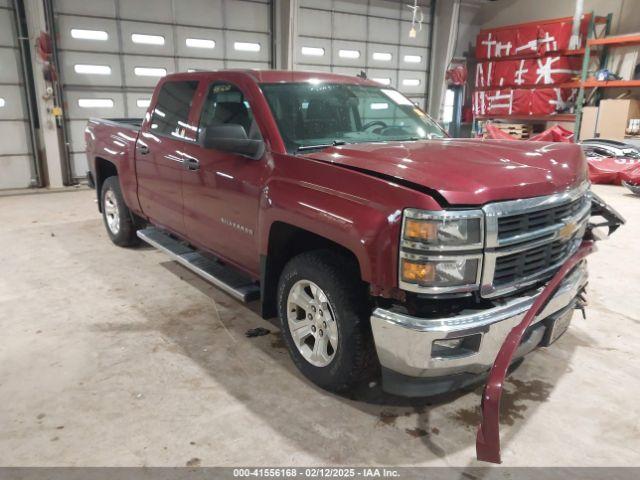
column 79, row 164
column 150, row 10
column 199, row 64
column 349, row 53
column 314, row 23
column 12, row 104
column 17, row 135
column 388, row 76
column 350, row 6
column 206, row 13
column 135, row 33
column 250, row 16
column 85, row 104
column 378, row 55
column 137, row 103
column 313, row 51
column 384, row 30
column 140, row 71
column 351, row 27
column 7, row 31
column 199, row 45
column 68, row 22
column 9, row 62
column 251, row 65
column 6, row 3
column 74, row 63
column 16, row 171
column 102, row 8
column 413, row 58
column 422, row 36
column 76, row 135
column 237, row 40
column 406, row 14
column 411, row 82
column 386, row 9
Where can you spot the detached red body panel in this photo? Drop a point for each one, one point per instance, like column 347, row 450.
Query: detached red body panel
column 488, row 437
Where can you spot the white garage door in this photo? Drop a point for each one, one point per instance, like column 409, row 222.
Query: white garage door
column 112, row 52
column 15, row 149
column 347, row 36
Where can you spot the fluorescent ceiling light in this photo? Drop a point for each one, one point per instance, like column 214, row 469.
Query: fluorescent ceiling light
column 312, row 51
column 246, row 46
column 147, row 39
column 384, row 81
column 143, row 102
column 412, row 58
column 150, row 72
column 411, row 82
column 379, row 106
column 381, row 56
column 349, row 54
column 95, row 103
column 200, row 43
column 81, row 34
column 92, row 69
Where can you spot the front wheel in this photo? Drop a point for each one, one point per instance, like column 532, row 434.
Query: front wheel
column 117, row 217
column 323, row 311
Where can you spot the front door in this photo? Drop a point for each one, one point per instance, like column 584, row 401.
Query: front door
column 221, row 197
column 160, row 154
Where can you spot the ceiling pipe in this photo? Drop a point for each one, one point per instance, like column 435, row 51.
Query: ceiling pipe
column 574, row 42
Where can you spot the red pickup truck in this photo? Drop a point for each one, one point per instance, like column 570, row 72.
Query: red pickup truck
column 382, row 245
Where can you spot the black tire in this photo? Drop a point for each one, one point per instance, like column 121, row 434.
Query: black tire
column 124, row 234
column 354, row 360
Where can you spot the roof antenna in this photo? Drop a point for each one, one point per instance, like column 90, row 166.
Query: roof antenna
column 362, row 74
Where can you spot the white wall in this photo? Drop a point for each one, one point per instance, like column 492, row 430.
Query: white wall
column 626, row 13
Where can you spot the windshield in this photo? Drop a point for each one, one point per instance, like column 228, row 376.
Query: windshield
column 316, row 115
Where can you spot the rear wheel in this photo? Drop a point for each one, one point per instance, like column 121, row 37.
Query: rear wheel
column 116, row 215
column 323, row 311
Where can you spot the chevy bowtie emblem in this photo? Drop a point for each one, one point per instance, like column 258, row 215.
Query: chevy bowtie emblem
column 567, row 231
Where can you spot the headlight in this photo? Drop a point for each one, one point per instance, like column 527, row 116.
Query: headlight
column 441, row 251
column 448, row 272
column 443, row 230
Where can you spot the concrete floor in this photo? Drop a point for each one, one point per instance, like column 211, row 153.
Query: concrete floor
column 118, row 357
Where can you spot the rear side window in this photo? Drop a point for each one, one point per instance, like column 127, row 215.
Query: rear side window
column 226, row 104
column 171, row 113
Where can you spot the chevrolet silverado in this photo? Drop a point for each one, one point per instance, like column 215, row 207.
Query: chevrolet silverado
column 383, row 246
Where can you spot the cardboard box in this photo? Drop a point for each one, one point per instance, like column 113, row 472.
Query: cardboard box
column 614, row 116
column 589, row 123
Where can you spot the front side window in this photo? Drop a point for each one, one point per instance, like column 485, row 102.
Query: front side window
column 320, row 114
column 171, row 113
column 226, row 105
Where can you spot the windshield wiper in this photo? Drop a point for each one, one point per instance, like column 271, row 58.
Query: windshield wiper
column 335, row 143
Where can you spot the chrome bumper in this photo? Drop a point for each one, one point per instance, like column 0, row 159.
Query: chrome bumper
column 404, row 342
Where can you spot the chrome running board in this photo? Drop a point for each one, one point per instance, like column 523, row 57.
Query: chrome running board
column 226, row 278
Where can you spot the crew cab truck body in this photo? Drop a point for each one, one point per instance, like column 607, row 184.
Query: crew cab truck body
column 379, row 242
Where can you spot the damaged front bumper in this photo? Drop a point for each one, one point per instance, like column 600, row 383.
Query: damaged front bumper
column 426, row 356
column 416, row 361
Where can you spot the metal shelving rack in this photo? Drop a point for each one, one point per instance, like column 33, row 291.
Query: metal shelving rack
column 604, row 43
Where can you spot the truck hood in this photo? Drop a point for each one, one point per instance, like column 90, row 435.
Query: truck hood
column 468, row 171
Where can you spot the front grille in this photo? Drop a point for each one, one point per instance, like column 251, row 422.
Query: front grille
column 512, row 225
column 528, row 240
column 515, row 267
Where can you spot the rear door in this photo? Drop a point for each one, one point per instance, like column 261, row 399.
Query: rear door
column 161, row 153
column 221, row 197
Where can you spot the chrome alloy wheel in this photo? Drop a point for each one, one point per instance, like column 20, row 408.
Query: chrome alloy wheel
column 311, row 323
column 111, row 212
